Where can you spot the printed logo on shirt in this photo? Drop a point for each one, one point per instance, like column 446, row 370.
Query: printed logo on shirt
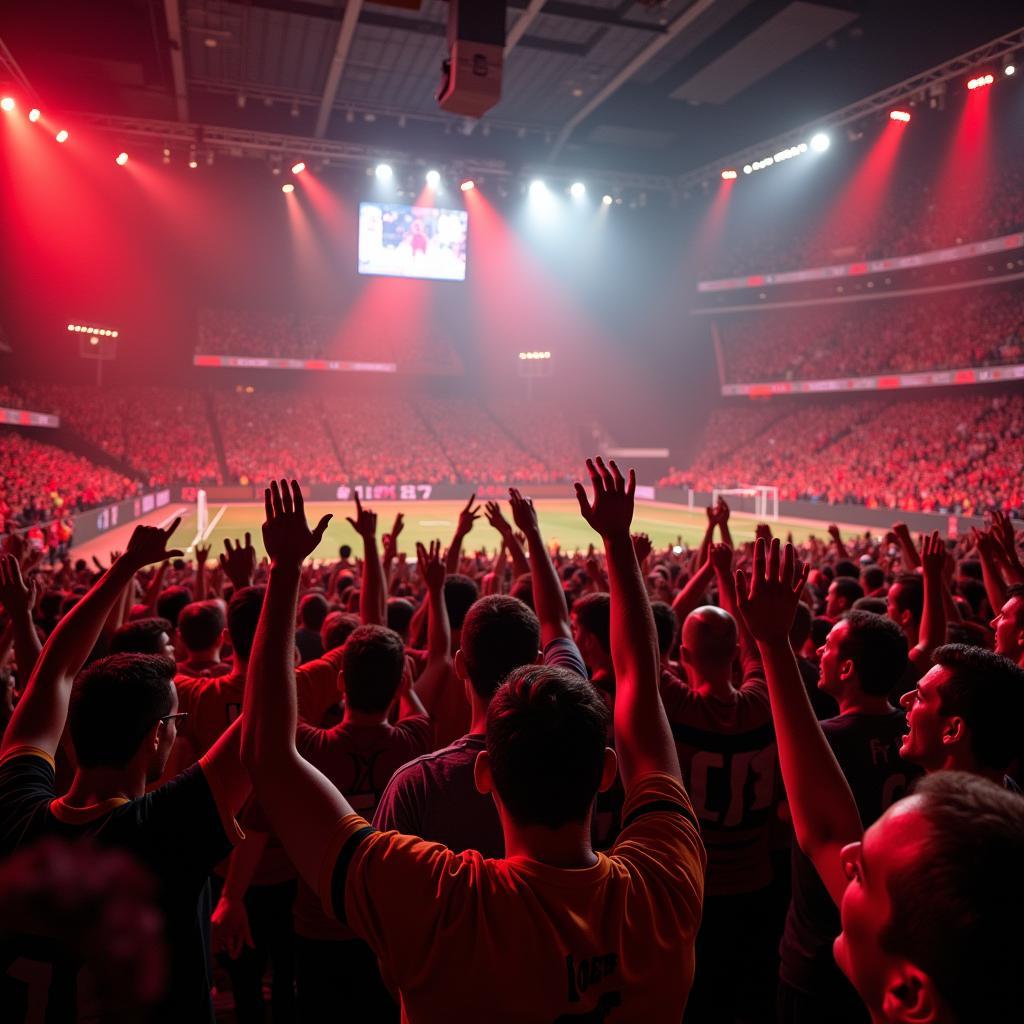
column 589, row 971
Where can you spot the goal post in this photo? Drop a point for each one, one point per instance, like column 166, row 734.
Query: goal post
column 754, row 499
column 202, row 513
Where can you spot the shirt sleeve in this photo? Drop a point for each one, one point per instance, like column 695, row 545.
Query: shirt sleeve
column 563, row 653
column 26, row 789
column 318, row 685
column 401, row 804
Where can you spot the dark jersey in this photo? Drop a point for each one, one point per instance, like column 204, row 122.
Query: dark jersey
column 177, row 831
column 867, row 749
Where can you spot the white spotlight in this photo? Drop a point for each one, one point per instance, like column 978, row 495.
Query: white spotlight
column 820, row 142
column 433, row 178
column 384, row 172
column 538, row 190
column 577, row 190
column 607, row 200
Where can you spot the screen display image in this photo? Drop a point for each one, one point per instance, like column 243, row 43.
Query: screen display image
column 412, row 241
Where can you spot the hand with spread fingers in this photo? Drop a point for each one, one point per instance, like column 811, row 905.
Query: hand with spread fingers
column 286, row 534
column 365, row 522
column 148, row 544
column 610, row 511
column 769, row 598
column 239, row 562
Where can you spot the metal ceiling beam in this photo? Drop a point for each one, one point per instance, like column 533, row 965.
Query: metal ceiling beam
column 687, row 18
column 523, row 22
column 986, row 54
column 172, row 15
column 346, row 33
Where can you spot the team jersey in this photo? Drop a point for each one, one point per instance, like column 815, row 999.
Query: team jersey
column 867, row 749
column 728, row 758
column 515, row 941
column 178, row 831
column 359, row 760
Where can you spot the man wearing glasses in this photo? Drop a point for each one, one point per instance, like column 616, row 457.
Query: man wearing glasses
column 122, row 718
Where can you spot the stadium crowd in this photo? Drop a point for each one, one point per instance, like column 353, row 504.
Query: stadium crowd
column 950, row 454
column 528, row 786
column 966, row 328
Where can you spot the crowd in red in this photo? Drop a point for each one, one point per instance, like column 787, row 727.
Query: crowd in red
column 963, row 328
column 950, row 454
column 294, row 336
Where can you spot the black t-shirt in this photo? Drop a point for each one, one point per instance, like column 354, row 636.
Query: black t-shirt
column 867, row 749
column 824, row 705
column 176, row 831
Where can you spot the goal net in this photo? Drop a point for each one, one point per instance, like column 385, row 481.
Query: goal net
column 753, row 499
column 202, row 513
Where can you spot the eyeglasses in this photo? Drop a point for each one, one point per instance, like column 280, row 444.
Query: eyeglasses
column 172, row 718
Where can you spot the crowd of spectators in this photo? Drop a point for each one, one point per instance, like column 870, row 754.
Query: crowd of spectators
column 39, row 481
column 545, row 430
column 963, row 328
column 413, row 348
column 931, row 454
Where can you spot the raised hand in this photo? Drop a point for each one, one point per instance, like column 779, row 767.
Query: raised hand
column 229, row 931
column 431, row 566
column 203, row 553
column 768, row 600
column 16, row 545
column 610, row 512
column 523, row 513
column 765, row 531
column 391, row 539
column 833, row 531
column 148, row 544
column 286, row 534
column 239, row 562
column 16, row 595
column 468, row 516
column 1006, row 537
column 365, row 522
column 722, row 511
column 642, row 546
column 933, row 554
column 721, row 559
column 493, row 514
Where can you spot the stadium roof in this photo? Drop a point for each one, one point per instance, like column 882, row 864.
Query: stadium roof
column 644, row 85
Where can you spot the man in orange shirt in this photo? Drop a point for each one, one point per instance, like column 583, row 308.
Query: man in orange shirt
column 553, row 930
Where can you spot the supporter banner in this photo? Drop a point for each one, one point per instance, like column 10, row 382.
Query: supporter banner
column 97, row 521
column 883, row 382
column 922, row 259
column 24, row 418
column 272, row 363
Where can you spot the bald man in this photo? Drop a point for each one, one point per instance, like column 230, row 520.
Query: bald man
column 722, row 725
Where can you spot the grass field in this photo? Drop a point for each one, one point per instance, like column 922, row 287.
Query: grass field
column 560, row 522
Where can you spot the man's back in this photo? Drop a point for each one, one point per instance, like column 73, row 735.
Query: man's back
column 471, row 939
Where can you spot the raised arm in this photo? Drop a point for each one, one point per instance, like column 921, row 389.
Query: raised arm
column 548, row 595
column 692, row 595
column 300, row 802
column 373, row 591
column 824, row 813
column 202, row 553
column 467, row 517
column 520, row 566
column 18, row 599
column 643, row 740
column 238, row 563
column 933, row 615
column 721, row 559
column 837, row 540
column 435, row 680
column 989, row 553
column 911, row 559
column 390, row 544
column 1005, row 535
column 41, row 714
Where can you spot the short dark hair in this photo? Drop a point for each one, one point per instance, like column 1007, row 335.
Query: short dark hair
column 910, row 596
column 594, row 613
column 987, row 691
column 313, row 609
column 1013, row 590
column 666, row 624
column 878, row 650
column 400, row 613
column 141, row 636
column 345, row 550
column 337, row 628
column 848, row 588
column 459, row 594
column 546, row 735
column 522, row 589
column 875, row 605
column 955, row 911
column 201, row 624
column 873, row 576
column 171, row 601
column 243, row 617
column 373, row 662
column 820, row 629
column 846, row 569
column 114, row 703
column 500, row 634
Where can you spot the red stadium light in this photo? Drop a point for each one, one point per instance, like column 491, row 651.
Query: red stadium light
column 62, row 135
column 121, row 159
column 298, row 168
column 728, row 175
column 7, row 103
column 899, row 115
column 980, row 82
column 34, row 115
column 468, row 185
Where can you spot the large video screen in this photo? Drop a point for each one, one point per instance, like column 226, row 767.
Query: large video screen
column 412, row 241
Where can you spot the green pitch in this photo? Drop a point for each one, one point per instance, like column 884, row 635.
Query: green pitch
column 427, row 520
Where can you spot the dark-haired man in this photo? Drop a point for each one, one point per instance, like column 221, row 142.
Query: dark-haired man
column 930, row 894
column 842, row 592
column 151, row 635
column 570, row 933
column 1009, row 625
column 201, row 632
column 123, row 723
column 435, row 797
column 861, row 660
